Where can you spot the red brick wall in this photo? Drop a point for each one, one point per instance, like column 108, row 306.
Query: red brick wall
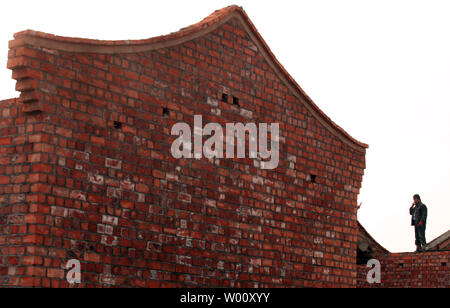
column 411, row 270
column 22, row 170
column 117, row 200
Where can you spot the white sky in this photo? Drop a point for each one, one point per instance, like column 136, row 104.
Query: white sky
column 379, row 69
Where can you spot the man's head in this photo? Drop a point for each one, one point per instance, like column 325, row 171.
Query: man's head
column 416, row 199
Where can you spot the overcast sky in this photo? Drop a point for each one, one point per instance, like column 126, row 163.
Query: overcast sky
column 379, row 69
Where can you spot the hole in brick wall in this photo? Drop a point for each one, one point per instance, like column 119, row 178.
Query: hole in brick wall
column 165, row 112
column 34, row 112
column 444, row 264
column 401, row 265
column 224, row 97
column 115, row 202
column 362, row 257
column 313, row 178
column 235, row 101
column 117, row 125
column 71, row 255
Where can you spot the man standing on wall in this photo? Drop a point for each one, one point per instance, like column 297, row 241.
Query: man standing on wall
column 418, row 210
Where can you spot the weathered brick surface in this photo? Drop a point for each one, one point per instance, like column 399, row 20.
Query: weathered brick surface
column 411, row 270
column 402, row 270
column 86, row 169
column 24, row 175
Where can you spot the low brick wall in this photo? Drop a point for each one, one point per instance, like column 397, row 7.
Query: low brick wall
column 411, row 270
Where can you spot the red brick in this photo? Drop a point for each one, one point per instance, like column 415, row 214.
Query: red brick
column 87, row 169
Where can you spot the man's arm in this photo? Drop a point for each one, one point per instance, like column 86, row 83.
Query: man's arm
column 423, row 216
column 411, row 210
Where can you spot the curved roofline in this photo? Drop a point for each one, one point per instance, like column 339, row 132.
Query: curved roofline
column 371, row 238
column 207, row 25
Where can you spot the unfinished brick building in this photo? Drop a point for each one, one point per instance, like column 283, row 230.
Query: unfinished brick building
column 86, row 170
column 87, row 173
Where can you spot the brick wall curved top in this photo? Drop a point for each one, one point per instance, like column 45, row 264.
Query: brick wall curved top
column 210, row 23
column 88, row 171
column 364, row 235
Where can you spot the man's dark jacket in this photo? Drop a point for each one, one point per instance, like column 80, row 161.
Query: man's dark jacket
column 419, row 212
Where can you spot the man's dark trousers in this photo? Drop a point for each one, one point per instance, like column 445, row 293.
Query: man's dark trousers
column 420, row 236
